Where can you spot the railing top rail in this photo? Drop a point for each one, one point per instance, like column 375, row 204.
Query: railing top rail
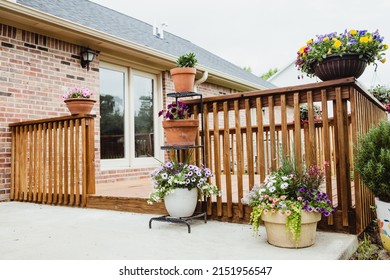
column 55, row 119
column 345, row 82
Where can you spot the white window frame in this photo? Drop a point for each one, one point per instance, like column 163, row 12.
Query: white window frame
column 129, row 160
column 157, row 134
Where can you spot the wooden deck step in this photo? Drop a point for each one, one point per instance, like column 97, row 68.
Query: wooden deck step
column 128, row 204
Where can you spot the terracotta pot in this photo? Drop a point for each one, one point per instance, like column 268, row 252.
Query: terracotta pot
column 183, row 79
column 181, row 132
column 383, row 215
column 79, row 105
column 277, row 235
column 181, row 203
column 336, row 67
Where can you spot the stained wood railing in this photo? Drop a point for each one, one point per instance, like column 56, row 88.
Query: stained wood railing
column 247, row 134
column 53, row 160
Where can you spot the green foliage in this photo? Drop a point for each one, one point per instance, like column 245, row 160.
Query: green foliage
column 372, row 160
column 247, row 69
column 382, row 93
column 365, row 249
column 187, row 60
column 269, row 73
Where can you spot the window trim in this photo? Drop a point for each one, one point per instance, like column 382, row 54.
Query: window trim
column 130, row 161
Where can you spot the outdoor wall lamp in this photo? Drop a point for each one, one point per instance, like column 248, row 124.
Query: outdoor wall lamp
column 86, row 57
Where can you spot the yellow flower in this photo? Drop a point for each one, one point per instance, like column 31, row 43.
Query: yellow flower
column 302, row 49
column 309, row 42
column 385, row 46
column 352, row 32
column 325, row 39
column 383, row 60
column 337, row 44
column 330, row 51
column 363, row 39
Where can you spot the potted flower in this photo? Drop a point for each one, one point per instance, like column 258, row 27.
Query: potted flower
column 184, row 74
column 304, row 113
column 353, row 50
column 180, row 185
column 290, row 204
column 372, row 162
column 78, row 100
column 179, row 129
column 382, row 93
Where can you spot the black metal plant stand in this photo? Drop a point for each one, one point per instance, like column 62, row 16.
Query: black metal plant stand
column 196, row 215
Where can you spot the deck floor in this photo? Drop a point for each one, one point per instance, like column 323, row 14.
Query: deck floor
column 141, row 188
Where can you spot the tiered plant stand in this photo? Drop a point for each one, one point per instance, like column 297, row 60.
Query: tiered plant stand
column 196, row 215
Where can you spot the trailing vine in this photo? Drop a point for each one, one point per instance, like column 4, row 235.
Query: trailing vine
column 294, row 220
column 255, row 219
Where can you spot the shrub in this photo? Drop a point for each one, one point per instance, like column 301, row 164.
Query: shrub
column 372, row 160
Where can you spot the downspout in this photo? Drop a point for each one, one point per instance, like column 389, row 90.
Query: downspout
column 201, row 80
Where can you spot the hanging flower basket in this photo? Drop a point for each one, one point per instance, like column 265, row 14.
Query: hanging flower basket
column 337, row 67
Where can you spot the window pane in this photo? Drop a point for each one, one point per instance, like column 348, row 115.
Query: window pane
column 143, row 116
column 112, row 136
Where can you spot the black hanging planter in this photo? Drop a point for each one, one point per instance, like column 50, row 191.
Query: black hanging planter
column 337, row 67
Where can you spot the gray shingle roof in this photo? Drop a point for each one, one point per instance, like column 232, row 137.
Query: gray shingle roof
column 128, row 28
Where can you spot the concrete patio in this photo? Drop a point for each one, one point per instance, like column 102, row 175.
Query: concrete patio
column 41, row 232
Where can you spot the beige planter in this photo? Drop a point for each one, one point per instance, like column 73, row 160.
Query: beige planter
column 278, row 235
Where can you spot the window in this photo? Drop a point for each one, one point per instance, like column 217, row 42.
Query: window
column 143, row 89
column 128, row 107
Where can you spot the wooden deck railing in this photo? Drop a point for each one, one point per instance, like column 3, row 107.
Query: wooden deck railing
column 53, row 160
column 269, row 125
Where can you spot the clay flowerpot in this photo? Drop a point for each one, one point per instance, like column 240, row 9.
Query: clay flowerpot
column 181, row 203
column 79, row 105
column 336, row 67
column 183, row 79
column 181, row 132
column 277, row 235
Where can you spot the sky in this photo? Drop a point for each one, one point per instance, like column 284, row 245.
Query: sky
column 262, row 34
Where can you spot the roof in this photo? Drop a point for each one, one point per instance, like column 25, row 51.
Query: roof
column 130, row 29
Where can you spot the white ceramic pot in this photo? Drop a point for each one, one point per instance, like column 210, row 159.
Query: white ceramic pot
column 277, row 235
column 383, row 216
column 181, row 203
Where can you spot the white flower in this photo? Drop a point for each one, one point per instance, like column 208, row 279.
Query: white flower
column 272, row 189
column 284, row 186
column 285, row 178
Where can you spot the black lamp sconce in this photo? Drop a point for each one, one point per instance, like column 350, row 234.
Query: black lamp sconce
column 86, row 57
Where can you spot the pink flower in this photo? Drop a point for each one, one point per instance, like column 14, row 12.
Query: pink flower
column 273, row 211
column 283, row 197
column 265, row 211
column 326, row 163
column 288, row 213
column 299, row 198
column 275, row 200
